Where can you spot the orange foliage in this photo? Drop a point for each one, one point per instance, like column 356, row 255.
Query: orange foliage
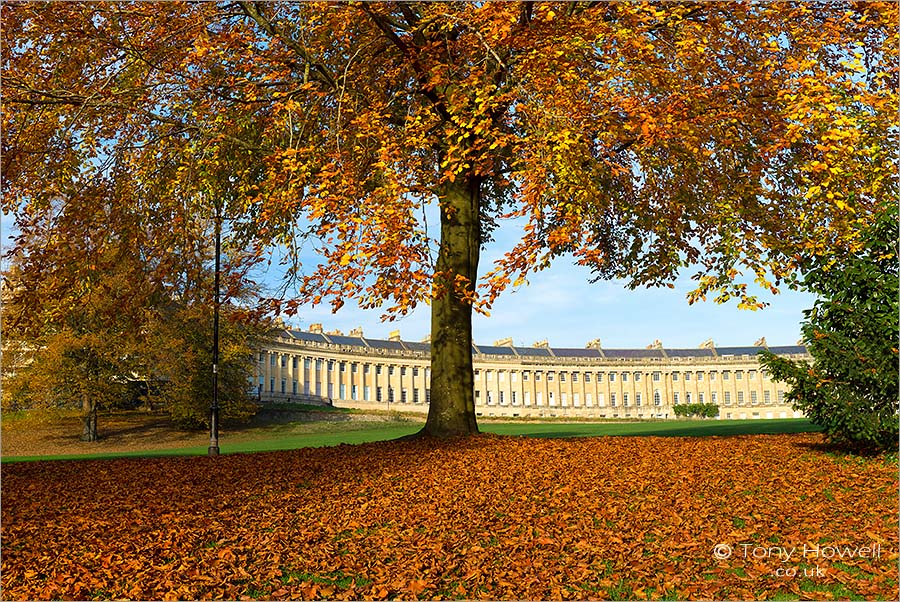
column 483, row 517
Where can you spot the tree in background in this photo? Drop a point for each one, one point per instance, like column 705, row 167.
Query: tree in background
column 89, row 313
column 636, row 138
column 851, row 388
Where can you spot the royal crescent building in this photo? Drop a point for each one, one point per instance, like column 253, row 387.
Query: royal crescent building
column 538, row 381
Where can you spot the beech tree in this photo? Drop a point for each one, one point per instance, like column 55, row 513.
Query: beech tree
column 637, row 139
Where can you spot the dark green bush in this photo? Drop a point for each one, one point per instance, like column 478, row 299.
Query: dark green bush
column 851, row 387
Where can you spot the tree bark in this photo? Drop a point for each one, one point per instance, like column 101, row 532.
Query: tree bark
column 452, row 408
column 88, row 419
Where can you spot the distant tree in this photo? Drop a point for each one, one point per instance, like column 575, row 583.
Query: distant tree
column 637, row 138
column 89, row 312
column 851, row 387
column 75, row 313
column 181, row 356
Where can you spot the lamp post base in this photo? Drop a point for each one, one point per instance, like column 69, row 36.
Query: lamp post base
column 213, row 450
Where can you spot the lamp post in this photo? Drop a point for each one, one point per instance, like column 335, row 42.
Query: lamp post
column 214, row 408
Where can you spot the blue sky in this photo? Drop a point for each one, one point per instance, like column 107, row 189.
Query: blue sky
column 562, row 306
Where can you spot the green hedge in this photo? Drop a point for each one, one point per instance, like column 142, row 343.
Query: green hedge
column 697, row 410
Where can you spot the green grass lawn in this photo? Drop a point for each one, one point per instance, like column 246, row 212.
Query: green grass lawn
column 355, row 432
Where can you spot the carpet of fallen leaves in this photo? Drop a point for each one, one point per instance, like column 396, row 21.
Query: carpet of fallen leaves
column 485, row 517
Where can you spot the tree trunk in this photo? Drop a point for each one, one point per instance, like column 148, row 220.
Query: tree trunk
column 88, row 419
column 452, row 408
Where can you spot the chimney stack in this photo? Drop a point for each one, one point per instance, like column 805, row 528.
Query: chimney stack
column 315, row 328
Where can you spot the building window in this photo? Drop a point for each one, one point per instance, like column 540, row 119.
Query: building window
column 574, row 377
column 551, row 398
column 587, row 377
column 477, row 395
column 390, row 370
column 675, row 398
column 378, row 370
column 353, row 368
column 562, row 377
column 727, row 397
column 283, row 386
column 699, row 376
column 366, row 368
column 714, row 397
column 343, row 389
column 415, row 371
column 403, row 371
column 657, row 398
column 404, row 395
column 525, row 375
column 780, row 396
column 740, row 396
column 272, row 359
column 687, row 376
column 319, row 365
column 625, row 380
column 537, row 375
column 767, row 397
column 331, row 365
column 294, row 388
column 378, row 394
column 753, row 398
column 354, row 391
column 501, row 375
column 477, row 374
column 539, row 398
column 726, row 375
column 576, row 399
column 637, row 377
column 701, row 397
column 415, row 395
column 564, row 398
column 390, row 394
column 687, row 397
column 612, row 377
column 637, row 399
column 588, row 399
column 343, row 366
column 551, row 376
column 502, row 398
column 656, row 377
column 490, row 398
column 674, row 377
column 271, row 385
column 738, row 375
column 712, row 376
column 612, row 399
column 366, row 392
column 514, row 376
column 527, row 398
column 751, row 374
column 427, row 395
column 514, row 400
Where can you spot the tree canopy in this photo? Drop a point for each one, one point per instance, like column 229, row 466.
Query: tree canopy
column 636, row 138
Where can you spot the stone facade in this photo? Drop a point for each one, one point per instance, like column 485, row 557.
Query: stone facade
column 538, row 381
